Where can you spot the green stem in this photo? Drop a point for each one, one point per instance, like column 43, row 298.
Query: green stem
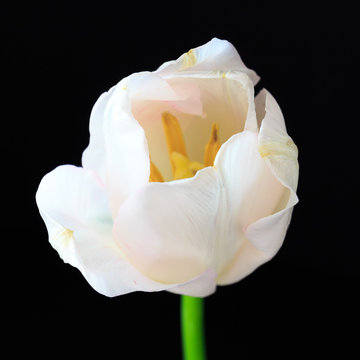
column 192, row 328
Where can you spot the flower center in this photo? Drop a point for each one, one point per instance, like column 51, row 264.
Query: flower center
column 182, row 166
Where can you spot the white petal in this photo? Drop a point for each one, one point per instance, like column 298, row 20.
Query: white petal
column 203, row 285
column 189, row 98
column 264, row 236
column 94, row 155
column 263, row 240
column 252, row 192
column 216, row 55
column 71, row 199
column 74, row 207
column 167, row 230
column 148, row 86
column 280, row 154
column 102, row 264
column 268, row 233
column 127, row 157
column 246, row 260
column 74, row 195
column 275, row 145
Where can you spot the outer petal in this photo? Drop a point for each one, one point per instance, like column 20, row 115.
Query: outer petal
column 127, row 157
column 74, row 207
column 215, row 55
column 201, row 286
column 103, row 265
column 114, row 134
column 174, row 236
column 280, row 154
column 251, row 192
column 265, row 235
column 275, row 145
column 74, row 195
column 94, row 155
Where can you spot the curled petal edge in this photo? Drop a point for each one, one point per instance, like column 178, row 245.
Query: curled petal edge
column 214, row 55
column 265, row 236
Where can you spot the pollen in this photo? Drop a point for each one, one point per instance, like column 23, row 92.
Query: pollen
column 182, row 166
column 189, row 59
column 63, row 238
column 284, row 147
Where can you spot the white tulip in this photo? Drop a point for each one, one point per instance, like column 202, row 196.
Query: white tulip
column 126, row 233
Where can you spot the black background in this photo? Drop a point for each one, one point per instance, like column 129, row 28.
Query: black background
column 59, row 59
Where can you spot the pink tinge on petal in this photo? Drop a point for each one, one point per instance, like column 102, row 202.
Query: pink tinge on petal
column 189, row 98
column 149, row 86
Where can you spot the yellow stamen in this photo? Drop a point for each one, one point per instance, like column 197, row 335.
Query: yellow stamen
column 213, row 146
column 184, row 168
column 174, row 136
column 155, row 175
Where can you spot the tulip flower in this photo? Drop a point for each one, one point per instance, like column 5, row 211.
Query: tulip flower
column 188, row 182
